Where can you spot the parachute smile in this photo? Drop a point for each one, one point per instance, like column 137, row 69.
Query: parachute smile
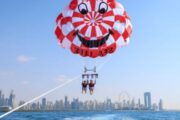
column 93, row 43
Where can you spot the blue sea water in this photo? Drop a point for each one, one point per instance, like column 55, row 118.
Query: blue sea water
column 93, row 116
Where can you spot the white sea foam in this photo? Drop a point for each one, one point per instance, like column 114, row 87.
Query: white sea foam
column 101, row 117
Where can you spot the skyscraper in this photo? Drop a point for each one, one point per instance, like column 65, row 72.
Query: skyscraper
column 43, row 107
column 0, row 94
column 11, row 99
column 0, row 98
column 160, row 105
column 108, row 104
column 132, row 104
column 75, row 104
column 66, row 102
column 139, row 103
column 3, row 99
column 147, row 100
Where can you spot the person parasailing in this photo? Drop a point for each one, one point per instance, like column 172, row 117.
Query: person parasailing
column 92, row 75
column 84, row 86
column 91, row 86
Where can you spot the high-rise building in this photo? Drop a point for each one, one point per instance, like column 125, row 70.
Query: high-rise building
column 132, row 106
column 21, row 103
column 0, row 94
column 154, row 107
column 11, row 99
column 61, row 104
column 108, row 104
column 139, row 103
column 160, row 105
column 34, row 106
column 147, row 100
column 0, row 98
column 44, row 103
column 75, row 104
column 66, row 102
column 3, row 100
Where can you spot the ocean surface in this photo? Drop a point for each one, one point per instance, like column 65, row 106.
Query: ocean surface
column 93, row 116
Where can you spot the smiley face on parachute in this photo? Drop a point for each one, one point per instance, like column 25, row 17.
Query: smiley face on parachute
column 93, row 27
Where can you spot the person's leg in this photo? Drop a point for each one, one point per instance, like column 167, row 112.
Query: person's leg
column 83, row 90
column 91, row 90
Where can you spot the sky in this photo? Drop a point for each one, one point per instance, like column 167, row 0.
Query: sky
column 31, row 61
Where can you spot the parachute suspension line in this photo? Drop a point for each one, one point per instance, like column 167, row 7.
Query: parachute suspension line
column 100, row 66
column 95, row 63
column 84, row 62
column 50, row 91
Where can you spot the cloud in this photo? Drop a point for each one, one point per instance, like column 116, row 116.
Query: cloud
column 24, row 59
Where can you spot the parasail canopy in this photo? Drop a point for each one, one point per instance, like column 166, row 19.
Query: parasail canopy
column 93, row 28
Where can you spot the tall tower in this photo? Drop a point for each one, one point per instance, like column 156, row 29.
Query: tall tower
column 44, row 102
column 0, row 98
column 0, row 94
column 160, row 105
column 66, row 102
column 11, row 99
column 147, row 100
column 139, row 103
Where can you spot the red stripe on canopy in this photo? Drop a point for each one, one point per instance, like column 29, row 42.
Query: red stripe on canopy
column 93, row 4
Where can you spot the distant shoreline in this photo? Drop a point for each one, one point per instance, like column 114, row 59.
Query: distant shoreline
column 96, row 111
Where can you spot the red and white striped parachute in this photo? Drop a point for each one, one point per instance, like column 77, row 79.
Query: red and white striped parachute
column 93, row 28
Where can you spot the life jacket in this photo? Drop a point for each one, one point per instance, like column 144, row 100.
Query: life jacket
column 84, row 85
column 91, row 84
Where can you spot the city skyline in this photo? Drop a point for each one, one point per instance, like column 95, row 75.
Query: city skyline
column 65, row 104
column 32, row 62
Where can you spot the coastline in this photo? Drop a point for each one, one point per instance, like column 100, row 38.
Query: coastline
column 94, row 111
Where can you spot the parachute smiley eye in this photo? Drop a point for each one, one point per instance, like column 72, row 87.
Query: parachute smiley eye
column 103, row 7
column 83, row 9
